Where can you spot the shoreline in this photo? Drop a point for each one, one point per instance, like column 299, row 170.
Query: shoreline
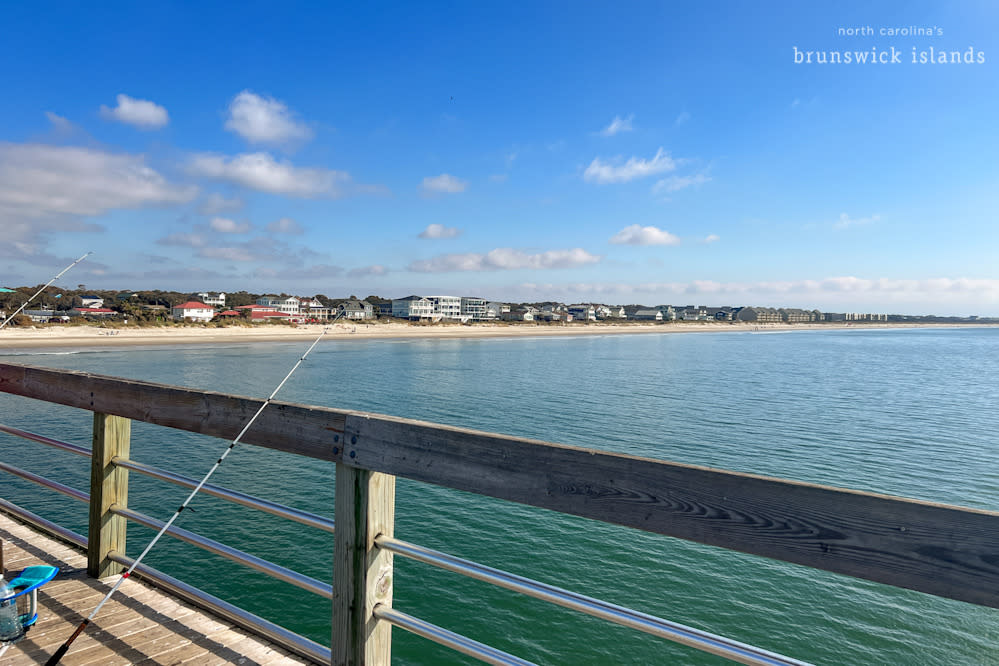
column 95, row 336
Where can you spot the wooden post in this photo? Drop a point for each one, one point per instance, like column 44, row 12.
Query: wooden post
column 362, row 574
column 108, row 485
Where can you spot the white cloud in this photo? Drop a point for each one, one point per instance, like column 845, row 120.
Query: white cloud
column 444, row 183
column 845, row 221
column 619, row 124
column 227, row 253
column 639, row 235
column 285, row 225
column 498, row 178
column 215, row 203
column 59, row 124
column 502, row 259
column 264, row 120
column 676, row 183
column 711, row 238
column 183, row 240
column 260, row 171
column 604, row 173
column 224, row 225
column 368, row 271
column 139, row 112
column 39, row 181
column 440, row 231
column 682, row 118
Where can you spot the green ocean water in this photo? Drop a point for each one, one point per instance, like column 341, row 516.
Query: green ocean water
column 903, row 412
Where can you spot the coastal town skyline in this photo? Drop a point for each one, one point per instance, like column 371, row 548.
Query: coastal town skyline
column 551, row 152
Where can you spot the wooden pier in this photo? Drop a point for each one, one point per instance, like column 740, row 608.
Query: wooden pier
column 948, row 551
column 140, row 625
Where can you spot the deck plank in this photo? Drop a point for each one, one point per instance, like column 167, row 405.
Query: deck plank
column 139, row 625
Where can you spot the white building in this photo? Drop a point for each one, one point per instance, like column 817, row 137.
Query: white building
column 216, row 300
column 193, row 310
column 583, row 312
column 473, row 308
column 412, row 307
column 290, row 305
column 446, row 307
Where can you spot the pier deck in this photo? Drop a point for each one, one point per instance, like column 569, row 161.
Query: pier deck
column 140, row 625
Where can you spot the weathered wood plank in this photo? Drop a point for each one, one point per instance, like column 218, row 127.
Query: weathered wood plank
column 108, row 485
column 947, row 551
column 307, row 431
column 362, row 573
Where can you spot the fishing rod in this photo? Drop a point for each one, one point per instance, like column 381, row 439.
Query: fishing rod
column 44, row 288
column 54, row 659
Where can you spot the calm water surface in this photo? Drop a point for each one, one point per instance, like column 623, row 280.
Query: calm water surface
column 904, row 412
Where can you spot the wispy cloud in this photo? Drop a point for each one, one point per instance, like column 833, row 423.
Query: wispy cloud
column 639, row 235
column 285, row 225
column 847, row 293
column 224, row 225
column 434, row 231
column 60, row 124
column 618, row 125
column 138, row 112
column 265, row 120
column 260, row 171
column 681, row 119
column 215, row 203
column 677, row 183
column 182, row 239
column 845, row 221
column 711, row 238
column 443, row 184
column 375, row 270
column 502, row 259
column 603, row 173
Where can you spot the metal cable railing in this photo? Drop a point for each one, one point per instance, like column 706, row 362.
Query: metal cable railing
column 239, row 617
column 252, row 561
column 457, row 642
column 678, row 633
column 273, row 508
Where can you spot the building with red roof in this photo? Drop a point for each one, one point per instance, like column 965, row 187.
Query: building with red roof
column 193, row 310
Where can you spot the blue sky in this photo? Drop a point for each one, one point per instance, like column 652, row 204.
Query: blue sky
column 580, row 151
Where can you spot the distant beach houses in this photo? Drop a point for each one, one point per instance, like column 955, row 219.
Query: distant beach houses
column 431, row 308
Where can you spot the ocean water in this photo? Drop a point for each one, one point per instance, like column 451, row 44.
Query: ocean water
column 905, row 412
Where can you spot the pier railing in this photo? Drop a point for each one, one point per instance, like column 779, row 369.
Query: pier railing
column 942, row 550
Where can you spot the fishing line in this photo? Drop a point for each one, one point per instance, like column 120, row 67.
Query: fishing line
column 44, row 288
column 54, row 659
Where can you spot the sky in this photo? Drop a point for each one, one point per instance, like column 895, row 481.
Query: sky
column 625, row 152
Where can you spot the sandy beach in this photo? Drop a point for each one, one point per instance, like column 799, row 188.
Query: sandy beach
column 95, row 336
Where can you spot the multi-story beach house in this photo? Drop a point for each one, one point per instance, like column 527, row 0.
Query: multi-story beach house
column 215, row 300
column 473, row 307
column 290, row 305
column 582, row 312
column 496, row 310
column 446, row 307
column 412, row 307
column 355, row 309
column 757, row 315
